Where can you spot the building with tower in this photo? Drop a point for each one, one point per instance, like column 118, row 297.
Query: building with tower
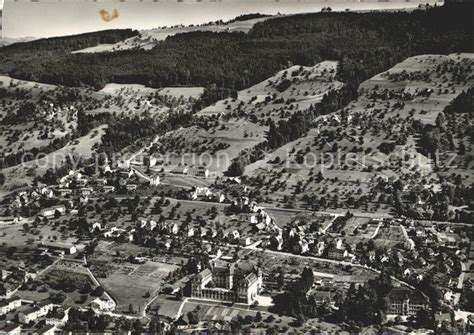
column 224, row 281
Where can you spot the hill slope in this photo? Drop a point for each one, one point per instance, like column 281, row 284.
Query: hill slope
column 372, row 154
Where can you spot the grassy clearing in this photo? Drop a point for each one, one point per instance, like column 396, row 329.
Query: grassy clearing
column 135, row 284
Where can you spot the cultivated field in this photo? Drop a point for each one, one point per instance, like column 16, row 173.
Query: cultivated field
column 134, row 284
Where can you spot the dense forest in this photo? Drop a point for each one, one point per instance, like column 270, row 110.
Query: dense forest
column 364, row 43
column 17, row 55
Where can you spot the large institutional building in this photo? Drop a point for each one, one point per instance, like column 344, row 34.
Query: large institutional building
column 228, row 282
column 403, row 301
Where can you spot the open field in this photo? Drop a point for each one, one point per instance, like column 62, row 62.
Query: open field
column 148, row 39
column 134, row 284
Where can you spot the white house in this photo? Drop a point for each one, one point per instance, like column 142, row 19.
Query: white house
column 51, row 212
column 31, row 314
column 9, row 305
column 155, row 180
column 173, row 228
column 103, row 305
column 201, row 192
column 108, row 189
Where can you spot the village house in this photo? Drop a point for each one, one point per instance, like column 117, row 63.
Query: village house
column 337, row 253
column 304, row 246
column 148, row 224
column 41, row 309
column 131, row 187
column 201, row 193
column 86, row 191
column 149, row 160
column 115, row 233
column 180, row 170
column 230, row 282
column 321, row 297
column 232, row 236
column 9, row 220
column 58, row 317
column 4, row 274
column 8, row 290
column 47, row 330
column 108, row 189
column 11, row 329
column 189, row 232
column 172, row 228
column 96, row 227
column 200, row 171
column 183, row 323
column 9, row 305
column 245, row 241
column 440, row 318
column 404, row 301
column 154, row 180
column 64, row 192
column 319, row 248
column 260, row 226
column 220, row 197
column 127, row 173
column 51, row 212
column 103, row 305
column 101, row 181
column 276, row 242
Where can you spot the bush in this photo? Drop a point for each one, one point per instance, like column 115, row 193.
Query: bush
column 99, row 290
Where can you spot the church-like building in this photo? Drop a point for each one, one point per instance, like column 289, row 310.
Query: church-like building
column 228, row 282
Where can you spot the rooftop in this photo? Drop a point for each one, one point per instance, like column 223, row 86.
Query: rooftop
column 10, row 327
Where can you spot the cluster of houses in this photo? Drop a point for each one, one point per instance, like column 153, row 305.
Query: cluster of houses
column 44, row 316
column 27, row 198
column 430, row 236
column 155, row 164
column 199, row 193
column 11, row 281
column 75, row 183
column 296, row 240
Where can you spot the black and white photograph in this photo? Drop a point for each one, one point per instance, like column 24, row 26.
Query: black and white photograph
column 237, row 167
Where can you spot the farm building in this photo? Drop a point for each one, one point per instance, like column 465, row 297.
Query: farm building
column 199, row 171
column 64, row 248
column 51, row 212
column 181, row 170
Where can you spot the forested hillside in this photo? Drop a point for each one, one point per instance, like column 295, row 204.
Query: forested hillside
column 364, row 43
column 17, row 55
